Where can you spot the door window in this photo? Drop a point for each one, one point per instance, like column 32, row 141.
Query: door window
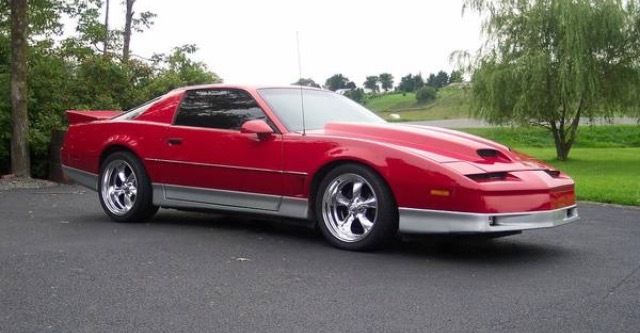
column 218, row 108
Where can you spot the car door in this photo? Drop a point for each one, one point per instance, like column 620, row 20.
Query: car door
column 207, row 160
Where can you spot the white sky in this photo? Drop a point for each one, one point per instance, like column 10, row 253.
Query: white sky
column 254, row 42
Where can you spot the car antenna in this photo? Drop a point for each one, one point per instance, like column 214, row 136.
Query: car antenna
column 304, row 131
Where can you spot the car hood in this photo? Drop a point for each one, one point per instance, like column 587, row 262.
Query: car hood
column 440, row 145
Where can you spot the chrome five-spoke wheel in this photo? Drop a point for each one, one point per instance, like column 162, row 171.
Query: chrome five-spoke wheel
column 124, row 188
column 350, row 207
column 355, row 208
column 119, row 187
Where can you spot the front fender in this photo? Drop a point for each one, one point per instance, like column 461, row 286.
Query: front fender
column 409, row 176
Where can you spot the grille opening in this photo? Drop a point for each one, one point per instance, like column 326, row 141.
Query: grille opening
column 486, row 177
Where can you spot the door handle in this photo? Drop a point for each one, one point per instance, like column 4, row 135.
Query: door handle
column 174, row 141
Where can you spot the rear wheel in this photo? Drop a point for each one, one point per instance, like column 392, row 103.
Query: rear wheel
column 355, row 208
column 124, row 189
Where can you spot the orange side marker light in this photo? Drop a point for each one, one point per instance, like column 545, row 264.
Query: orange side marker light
column 440, row 193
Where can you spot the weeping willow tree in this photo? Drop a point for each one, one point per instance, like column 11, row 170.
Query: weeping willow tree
column 551, row 63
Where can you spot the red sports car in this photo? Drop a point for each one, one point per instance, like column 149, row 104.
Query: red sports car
column 311, row 155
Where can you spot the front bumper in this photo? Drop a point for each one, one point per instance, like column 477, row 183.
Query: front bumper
column 435, row 221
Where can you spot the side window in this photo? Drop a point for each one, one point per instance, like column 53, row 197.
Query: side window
column 218, row 108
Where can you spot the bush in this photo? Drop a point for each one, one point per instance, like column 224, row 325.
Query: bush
column 356, row 95
column 426, row 94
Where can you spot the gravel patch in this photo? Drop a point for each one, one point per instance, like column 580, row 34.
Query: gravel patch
column 13, row 183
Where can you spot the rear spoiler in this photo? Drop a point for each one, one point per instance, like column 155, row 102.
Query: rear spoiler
column 80, row 117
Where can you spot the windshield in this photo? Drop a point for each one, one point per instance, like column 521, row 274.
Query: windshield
column 320, row 108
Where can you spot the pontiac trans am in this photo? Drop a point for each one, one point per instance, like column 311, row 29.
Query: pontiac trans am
column 308, row 155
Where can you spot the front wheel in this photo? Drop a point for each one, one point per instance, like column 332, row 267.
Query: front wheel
column 355, row 208
column 124, row 189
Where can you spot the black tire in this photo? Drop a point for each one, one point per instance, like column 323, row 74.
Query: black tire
column 142, row 208
column 385, row 224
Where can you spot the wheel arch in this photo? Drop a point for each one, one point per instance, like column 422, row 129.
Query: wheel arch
column 116, row 147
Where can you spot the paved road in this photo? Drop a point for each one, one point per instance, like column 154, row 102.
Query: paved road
column 476, row 123
column 65, row 268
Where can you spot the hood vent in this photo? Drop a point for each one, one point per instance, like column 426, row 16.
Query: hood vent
column 553, row 173
column 492, row 155
column 488, row 153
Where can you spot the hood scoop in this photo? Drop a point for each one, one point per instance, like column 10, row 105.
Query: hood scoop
column 493, row 155
column 488, row 153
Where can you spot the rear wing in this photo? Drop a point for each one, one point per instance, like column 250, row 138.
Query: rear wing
column 80, row 117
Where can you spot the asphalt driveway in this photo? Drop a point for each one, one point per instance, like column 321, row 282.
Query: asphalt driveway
column 64, row 267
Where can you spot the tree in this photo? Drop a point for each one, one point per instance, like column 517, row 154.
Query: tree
column 128, row 21
column 442, row 79
column 386, row 81
column 133, row 23
column 20, row 159
column 411, row 83
column 418, row 82
column 178, row 69
column 106, row 29
column 407, row 83
column 426, row 94
column 357, row 95
column 551, row 63
column 455, row 77
column 432, row 81
column 93, row 31
column 350, row 85
column 337, row 81
column 306, row 83
column 438, row 80
column 19, row 119
column 371, row 83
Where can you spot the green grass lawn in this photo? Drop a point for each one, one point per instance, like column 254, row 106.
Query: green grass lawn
column 452, row 102
column 392, row 102
column 605, row 161
column 608, row 136
column 610, row 175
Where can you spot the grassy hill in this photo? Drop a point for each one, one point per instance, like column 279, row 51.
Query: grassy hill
column 452, row 103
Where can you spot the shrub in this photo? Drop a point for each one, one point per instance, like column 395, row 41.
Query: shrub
column 357, row 95
column 426, row 94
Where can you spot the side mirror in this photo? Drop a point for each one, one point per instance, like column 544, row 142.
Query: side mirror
column 258, row 127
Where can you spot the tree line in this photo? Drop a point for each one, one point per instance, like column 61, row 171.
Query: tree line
column 384, row 82
column 43, row 73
